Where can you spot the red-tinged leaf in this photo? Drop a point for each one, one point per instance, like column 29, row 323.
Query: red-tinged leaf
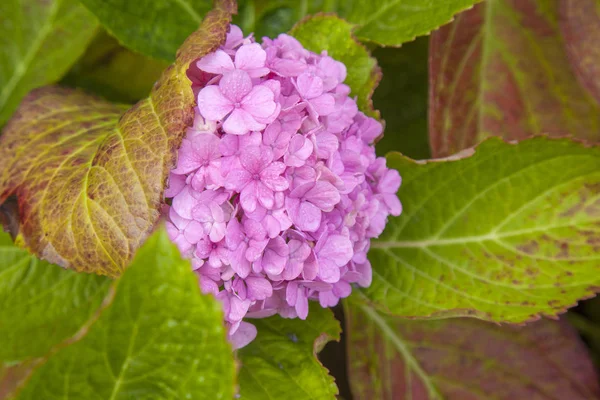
column 465, row 359
column 580, row 24
column 89, row 181
column 501, row 70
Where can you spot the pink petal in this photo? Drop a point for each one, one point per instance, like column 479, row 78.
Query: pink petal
column 258, row 288
column 272, row 226
column 327, row 144
column 184, row 202
column 240, row 122
column 271, row 177
column 217, row 233
column 389, row 182
column 309, row 85
column 324, row 104
column 328, row 271
column 235, row 85
column 248, row 198
column 176, row 184
column 338, row 249
column 239, row 263
column 216, row 63
column 208, row 286
column 252, row 58
column 245, row 334
column 259, row 102
column 237, row 179
column 238, row 308
column 194, row 232
column 323, row 195
column 234, row 37
column 212, row 104
column 393, row 204
column 308, row 217
column 291, row 293
column 302, row 304
column 255, row 158
column 264, row 195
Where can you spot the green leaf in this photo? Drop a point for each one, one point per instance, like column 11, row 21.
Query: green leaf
column 158, row 337
column 507, row 234
column 385, row 22
column 402, row 98
column 330, row 33
column 281, row 362
column 464, row 358
column 89, row 179
column 41, row 304
column 501, row 69
column 580, row 26
column 39, row 40
column 114, row 72
column 155, row 28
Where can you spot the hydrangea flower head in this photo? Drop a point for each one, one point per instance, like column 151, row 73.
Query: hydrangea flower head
column 277, row 191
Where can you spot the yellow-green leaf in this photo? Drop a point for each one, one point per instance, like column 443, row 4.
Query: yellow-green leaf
column 506, row 234
column 156, row 337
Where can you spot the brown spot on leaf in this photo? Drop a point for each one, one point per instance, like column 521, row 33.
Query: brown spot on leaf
column 530, row 247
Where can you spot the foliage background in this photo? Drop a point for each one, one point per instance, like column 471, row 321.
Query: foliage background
column 512, row 237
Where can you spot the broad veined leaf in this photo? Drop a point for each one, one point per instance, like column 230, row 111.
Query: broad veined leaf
column 39, row 40
column 501, row 69
column 507, row 234
column 88, row 180
column 114, row 72
column 41, row 305
column 330, row 33
column 158, row 337
column 465, row 359
column 385, row 22
column 580, row 25
column 282, row 361
column 152, row 27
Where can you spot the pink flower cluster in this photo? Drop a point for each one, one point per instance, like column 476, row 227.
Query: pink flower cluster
column 277, row 190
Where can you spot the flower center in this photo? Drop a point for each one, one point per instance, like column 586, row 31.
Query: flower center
column 256, row 177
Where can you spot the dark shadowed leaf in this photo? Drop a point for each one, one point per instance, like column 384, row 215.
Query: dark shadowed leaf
column 465, row 359
column 281, row 363
column 506, row 234
column 158, row 337
column 501, row 69
column 39, row 40
column 114, row 72
column 330, row 33
column 580, row 24
column 152, row 27
column 41, row 305
column 89, row 182
column 402, row 99
column 386, row 22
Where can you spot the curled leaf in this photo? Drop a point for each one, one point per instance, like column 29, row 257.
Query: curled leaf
column 88, row 179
